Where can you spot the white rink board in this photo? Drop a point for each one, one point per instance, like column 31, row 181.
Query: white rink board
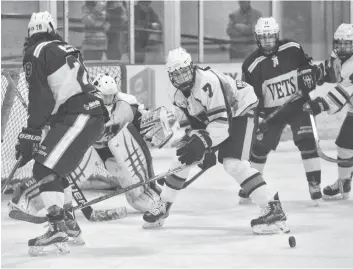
column 207, row 228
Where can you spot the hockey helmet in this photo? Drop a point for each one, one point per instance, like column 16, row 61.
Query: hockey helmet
column 107, row 86
column 41, row 22
column 267, row 35
column 343, row 41
column 180, row 69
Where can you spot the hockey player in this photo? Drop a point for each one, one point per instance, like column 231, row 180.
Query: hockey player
column 272, row 71
column 60, row 96
column 339, row 70
column 219, row 113
column 123, row 109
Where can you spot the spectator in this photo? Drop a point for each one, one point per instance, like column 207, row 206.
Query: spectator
column 241, row 30
column 146, row 19
column 117, row 33
column 95, row 28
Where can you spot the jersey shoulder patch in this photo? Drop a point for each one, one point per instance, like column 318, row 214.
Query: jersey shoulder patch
column 28, row 69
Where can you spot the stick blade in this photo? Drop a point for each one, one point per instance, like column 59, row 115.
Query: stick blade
column 109, row 214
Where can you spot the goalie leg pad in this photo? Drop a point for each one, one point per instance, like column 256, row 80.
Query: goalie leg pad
column 132, row 163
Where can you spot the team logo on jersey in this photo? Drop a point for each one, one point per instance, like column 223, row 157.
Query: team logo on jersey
column 28, row 69
column 275, row 60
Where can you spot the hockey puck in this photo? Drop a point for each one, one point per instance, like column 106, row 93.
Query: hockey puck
column 292, row 242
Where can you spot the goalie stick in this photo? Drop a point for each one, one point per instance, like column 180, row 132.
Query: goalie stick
column 88, row 212
column 319, row 150
column 131, row 187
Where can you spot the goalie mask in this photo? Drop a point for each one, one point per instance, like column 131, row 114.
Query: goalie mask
column 343, row 41
column 180, row 69
column 41, row 22
column 108, row 88
column 267, row 35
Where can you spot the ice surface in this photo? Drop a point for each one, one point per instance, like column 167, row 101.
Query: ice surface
column 207, row 228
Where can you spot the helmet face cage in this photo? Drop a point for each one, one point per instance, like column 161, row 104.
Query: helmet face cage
column 343, row 48
column 106, row 84
column 268, row 43
column 183, row 78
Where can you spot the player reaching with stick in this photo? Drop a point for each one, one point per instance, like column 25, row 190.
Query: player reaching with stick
column 60, row 96
column 219, row 114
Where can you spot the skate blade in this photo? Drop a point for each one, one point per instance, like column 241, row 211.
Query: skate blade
column 77, row 240
column 245, row 201
column 153, row 225
column 337, row 197
column 316, row 203
column 274, row 228
column 56, row 249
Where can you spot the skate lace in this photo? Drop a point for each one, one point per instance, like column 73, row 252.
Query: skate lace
column 160, row 208
column 338, row 185
column 265, row 211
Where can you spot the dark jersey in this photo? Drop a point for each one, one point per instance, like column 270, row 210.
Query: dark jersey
column 275, row 78
column 58, row 83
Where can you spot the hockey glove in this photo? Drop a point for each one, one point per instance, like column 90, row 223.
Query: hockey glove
column 316, row 106
column 209, row 160
column 28, row 144
column 194, row 149
column 306, row 77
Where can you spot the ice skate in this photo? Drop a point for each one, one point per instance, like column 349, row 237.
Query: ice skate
column 339, row 190
column 73, row 230
column 272, row 220
column 315, row 193
column 155, row 217
column 244, row 199
column 55, row 236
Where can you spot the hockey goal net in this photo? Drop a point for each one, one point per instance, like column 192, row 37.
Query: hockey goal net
column 14, row 101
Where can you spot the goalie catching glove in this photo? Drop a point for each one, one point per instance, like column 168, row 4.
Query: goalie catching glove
column 194, row 147
column 156, row 126
column 28, row 144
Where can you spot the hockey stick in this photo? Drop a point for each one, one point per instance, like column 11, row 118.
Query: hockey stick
column 294, row 97
column 194, row 178
column 131, row 187
column 11, row 175
column 88, row 212
column 319, row 150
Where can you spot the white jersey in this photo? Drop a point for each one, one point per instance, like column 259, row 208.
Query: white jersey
column 214, row 100
column 121, row 112
column 342, row 93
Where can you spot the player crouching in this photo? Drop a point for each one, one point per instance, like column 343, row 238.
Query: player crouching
column 219, row 111
column 122, row 149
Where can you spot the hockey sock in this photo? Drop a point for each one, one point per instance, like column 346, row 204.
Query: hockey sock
column 250, row 180
column 345, row 170
column 258, row 159
column 311, row 162
column 171, row 187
